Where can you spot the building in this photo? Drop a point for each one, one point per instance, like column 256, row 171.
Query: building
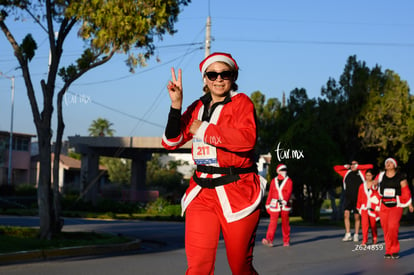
column 20, row 158
column 69, row 170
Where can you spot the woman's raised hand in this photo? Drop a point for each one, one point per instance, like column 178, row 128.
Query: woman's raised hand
column 175, row 89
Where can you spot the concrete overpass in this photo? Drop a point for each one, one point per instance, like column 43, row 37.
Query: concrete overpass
column 138, row 149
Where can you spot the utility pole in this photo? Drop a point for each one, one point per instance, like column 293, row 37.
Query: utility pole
column 9, row 174
column 208, row 37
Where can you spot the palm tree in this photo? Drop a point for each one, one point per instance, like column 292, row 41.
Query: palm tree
column 101, row 127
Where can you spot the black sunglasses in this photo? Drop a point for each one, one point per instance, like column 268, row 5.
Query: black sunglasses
column 225, row 75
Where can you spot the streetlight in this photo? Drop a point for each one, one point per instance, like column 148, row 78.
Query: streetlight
column 9, row 175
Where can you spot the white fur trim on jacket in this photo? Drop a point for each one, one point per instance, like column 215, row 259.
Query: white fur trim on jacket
column 169, row 143
column 279, row 207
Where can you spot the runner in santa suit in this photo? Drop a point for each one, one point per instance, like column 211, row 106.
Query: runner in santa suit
column 353, row 176
column 396, row 195
column 225, row 191
column 277, row 203
column 368, row 205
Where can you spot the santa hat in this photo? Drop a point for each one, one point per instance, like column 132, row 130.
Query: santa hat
column 280, row 167
column 218, row 57
column 392, row 160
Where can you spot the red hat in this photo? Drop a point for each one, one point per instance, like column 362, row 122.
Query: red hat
column 218, row 57
column 392, row 160
column 280, row 167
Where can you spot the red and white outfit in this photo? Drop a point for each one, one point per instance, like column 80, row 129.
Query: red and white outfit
column 214, row 200
column 393, row 199
column 278, row 203
column 368, row 206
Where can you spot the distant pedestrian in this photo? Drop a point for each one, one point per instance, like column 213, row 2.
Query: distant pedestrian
column 353, row 176
column 395, row 195
column 278, row 204
column 368, row 205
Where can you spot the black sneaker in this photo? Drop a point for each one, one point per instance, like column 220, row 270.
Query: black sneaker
column 395, row 255
column 387, row 256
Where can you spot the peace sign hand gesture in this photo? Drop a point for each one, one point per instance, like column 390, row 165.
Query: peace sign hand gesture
column 175, row 89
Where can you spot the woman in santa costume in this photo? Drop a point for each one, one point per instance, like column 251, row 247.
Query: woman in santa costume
column 277, row 203
column 225, row 191
column 395, row 195
column 368, row 206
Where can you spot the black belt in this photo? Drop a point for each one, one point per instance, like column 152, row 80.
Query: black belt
column 226, row 170
column 231, row 175
column 213, row 182
column 389, row 202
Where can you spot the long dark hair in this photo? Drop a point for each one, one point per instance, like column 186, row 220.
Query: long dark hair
column 372, row 172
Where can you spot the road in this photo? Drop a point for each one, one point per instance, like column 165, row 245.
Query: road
column 313, row 250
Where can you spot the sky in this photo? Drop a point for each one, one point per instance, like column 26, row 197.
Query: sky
column 278, row 45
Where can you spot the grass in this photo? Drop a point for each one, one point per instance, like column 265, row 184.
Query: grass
column 15, row 238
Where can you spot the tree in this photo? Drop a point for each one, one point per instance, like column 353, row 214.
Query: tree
column 165, row 177
column 101, row 127
column 266, row 114
column 107, row 27
column 386, row 122
column 308, row 150
column 119, row 170
column 345, row 100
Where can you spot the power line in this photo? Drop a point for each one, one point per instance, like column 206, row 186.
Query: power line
column 137, row 73
column 157, row 100
column 316, row 42
column 256, row 19
column 152, row 106
column 119, row 111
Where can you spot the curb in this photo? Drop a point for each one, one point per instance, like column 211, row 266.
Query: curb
column 49, row 254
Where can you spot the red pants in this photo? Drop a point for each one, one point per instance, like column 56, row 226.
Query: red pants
column 390, row 223
column 368, row 222
column 204, row 219
column 271, row 229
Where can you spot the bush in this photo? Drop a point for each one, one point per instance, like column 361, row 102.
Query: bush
column 107, row 205
column 173, row 210
column 71, row 202
column 163, row 207
column 25, row 190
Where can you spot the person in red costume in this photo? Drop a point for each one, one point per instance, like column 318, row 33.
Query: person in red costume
column 225, row 191
column 277, row 203
column 353, row 176
column 395, row 195
column 368, row 206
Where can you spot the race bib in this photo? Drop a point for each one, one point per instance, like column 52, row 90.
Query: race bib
column 203, row 153
column 273, row 203
column 389, row 192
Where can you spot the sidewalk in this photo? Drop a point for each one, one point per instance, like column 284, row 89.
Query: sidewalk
column 50, row 254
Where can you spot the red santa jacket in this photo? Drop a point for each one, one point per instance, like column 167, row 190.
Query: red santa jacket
column 369, row 200
column 227, row 140
column 279, row 194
